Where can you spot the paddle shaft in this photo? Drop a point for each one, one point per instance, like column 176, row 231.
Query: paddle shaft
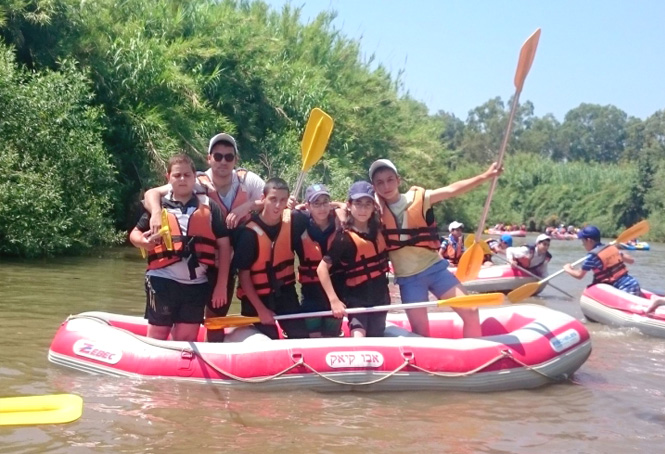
column 502, row 152
column 534, row 275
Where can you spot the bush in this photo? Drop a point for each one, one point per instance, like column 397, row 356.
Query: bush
column 56, row 192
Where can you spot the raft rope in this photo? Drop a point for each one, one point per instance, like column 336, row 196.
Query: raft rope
column 299, row 360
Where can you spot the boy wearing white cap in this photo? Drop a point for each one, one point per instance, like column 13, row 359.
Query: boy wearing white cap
column 533, row 257
column 452, row 247
column 413, row 242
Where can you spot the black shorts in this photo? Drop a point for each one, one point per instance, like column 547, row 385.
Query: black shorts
column 169, row 302
column 327, row 326
column 374, row 323
column 287, row 303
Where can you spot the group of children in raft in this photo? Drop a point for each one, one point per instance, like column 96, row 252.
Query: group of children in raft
column 226, row 220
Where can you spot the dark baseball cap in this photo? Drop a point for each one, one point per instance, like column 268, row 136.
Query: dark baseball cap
column 361, row 189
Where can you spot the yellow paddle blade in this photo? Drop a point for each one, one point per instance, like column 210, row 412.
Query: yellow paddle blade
column 523, row 292
column 53, row 409
column 315, row 139
column 144, row 253
column 482, row 299
column 486, row 248
column 639, row 229
column 230, row 321
column 470, row 263
column 527, row 54
column 165, row 231
column 469, row 239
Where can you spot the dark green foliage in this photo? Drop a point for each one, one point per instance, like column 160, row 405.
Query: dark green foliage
column 56, row 191
column 165, row 75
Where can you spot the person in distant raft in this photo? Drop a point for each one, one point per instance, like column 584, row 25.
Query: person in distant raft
column 452, row 246
column 359, row 250
column 177, row 284
column 497, row 247
column 608, row 266
column 412, row 240
column 533, row 257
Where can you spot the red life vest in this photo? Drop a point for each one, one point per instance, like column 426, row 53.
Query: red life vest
column 419, row 233
column 241, row 197
column 274, row 266
column 371, row 260
column 312, row 256
column 613, row 266
column 199, row 241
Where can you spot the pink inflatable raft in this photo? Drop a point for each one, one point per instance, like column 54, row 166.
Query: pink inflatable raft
column 498, row 278
column 523, row 347
column 515, row 233
column 605, row 304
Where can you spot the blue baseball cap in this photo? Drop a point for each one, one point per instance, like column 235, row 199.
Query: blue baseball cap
column 314, row 191
column 361, row 189
column 507, row 239
column 590, row 231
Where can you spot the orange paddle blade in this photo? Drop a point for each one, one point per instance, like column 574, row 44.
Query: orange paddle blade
column 523, row 292
column 230, row 321
column 481, row 299
column 527, row 54
column 639, row 229
column 315, row 138
column 470, row 263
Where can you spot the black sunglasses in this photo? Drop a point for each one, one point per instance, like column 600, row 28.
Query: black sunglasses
column 229, row 157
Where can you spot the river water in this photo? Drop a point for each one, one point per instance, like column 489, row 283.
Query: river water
column 615, row 402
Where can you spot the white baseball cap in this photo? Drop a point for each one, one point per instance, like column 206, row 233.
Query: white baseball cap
column 455, row 225
column 542, row 237
column 379, row 163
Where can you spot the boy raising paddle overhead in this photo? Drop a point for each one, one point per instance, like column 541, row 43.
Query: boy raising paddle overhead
column 413, row 242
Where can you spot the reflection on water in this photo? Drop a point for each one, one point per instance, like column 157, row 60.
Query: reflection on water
column 614, row 403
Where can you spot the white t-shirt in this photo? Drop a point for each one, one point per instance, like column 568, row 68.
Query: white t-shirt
column 253, row 183
column 410, row 260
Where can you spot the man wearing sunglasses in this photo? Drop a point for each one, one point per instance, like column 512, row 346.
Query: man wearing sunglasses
column 533, row 257
column 235, row 191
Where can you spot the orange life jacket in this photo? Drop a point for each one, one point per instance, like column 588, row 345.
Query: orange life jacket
column 453, row 252
column 371, row 260
column 312, row 256
column 241, row 197
column 613, row 266
column 418, row 233
column 525, row 262
column 274, row 266
column 199, row 241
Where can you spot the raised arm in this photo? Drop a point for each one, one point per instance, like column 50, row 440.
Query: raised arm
column 462, row 186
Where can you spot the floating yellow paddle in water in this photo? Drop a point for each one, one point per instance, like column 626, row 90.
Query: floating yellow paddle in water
column 472, row 260
column 164, row 232
column 314, row 142
column 52, row 409
column 486, row 299
column 529, row 289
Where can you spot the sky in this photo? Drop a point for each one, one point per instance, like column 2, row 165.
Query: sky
column 456, row 55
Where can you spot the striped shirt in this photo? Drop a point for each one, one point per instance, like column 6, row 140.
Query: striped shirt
column 626, row 283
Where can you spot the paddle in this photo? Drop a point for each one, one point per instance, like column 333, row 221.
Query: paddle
column 472, row 259
column 529, row 289
column 486, row 250
column 487, row 299
column 314, row 142
column 53, row 409
column 164, row 232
